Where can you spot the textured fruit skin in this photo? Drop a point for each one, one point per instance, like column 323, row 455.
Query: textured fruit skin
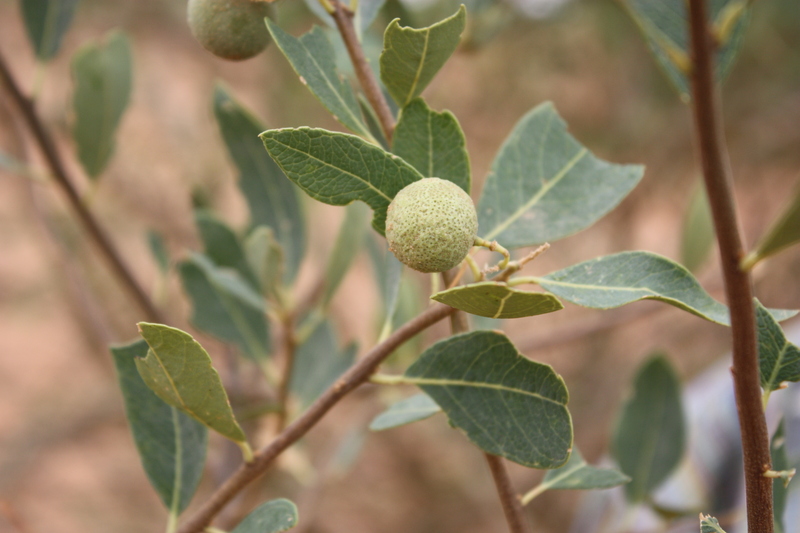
column 431, row 225
column 230, row 29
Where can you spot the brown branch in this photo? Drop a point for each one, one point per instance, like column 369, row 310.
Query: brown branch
column 372, row 90
column 59, row 172
column 512, row 507
column 358, row 374
column 738, row 285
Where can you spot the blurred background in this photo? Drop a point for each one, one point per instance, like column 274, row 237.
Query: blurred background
column 67, row 461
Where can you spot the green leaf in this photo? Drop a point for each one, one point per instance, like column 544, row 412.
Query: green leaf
column 265, row 256
column 171, row 445
column 345, row 249
column 411, row 58
column 103, row 86
column 433, row 143
column 412, row 409
column 222, row 245
column 780, row 461
column 159, row 250
column 179, row 371
column 318, row 363
column 649, row 439
column 272, row 199
column 544, row 185
column 497, row 300
column 273, row 516
column 372, row 122
column 577, row 474
column 664, row 25
column 779, row 359
column 46, row 22
column 709, row 524
column 784, row 233
column 314, row 60
column 697, row 238
column 225, row 308
column 336, row 168
column 366, row 13
column 619, row 279
column 506, row 404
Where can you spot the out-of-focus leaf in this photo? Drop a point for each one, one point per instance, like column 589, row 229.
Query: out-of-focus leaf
column 336, row 168
column 780, row 462
column 366, row 13
column 371, row 120
column 784, row 233
column 412, row 409
column 619, row 279
column 498, row 300
column 345, row 249
column 778, row 358
column 103, row 86
column 271, row 197
column 649, row 439
column 709, row 524
column 159, row 250
column 544, row 185
column 225, row 306
column 46, row 22
column 222, row 245
column 274, row 516
column 265, row 256
column 698, row 231
column 665, row 27
column 179, row 371
column 314, row 60
column 318, row 363
column 411, row 57
column 506, row 404
column 433, row 143
column 171, row 445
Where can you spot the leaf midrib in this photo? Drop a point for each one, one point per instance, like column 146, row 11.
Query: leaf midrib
column 440, row 382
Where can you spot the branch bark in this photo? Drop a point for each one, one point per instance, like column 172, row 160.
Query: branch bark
column 738, row 284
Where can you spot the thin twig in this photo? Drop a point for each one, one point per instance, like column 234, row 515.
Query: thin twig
column 372, row 90
column 355, row 376
column 738, row 285
column 512, row 507
column 59, row 172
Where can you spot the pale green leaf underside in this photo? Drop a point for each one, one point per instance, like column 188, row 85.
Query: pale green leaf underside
column 709, row 524
column 179, row 371
column 544, row 185
column 171, row 445
column 506, row 404
column 619, row 279
column 433, row 143
column 779, row 359
column 103, row 85
column 275, row 516
column 336, row 168
column 314, row 60
column 780, row 490
column 784, row 233
column 412, row 409
column 345, row 249
column 697, row 237
column 412, row 57
column 498, row 300
column 46, row 22
column 577, row 474
column 649, row 439
column 319, row 362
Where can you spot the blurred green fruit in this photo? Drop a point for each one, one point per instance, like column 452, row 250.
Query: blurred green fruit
column 230, row 29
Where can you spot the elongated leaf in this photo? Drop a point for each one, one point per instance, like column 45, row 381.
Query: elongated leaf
column 337, row 169
column 433, row 143
column 411, row 58
column 664, row 25
column 506, row 404
column 649, row 439
column 412, row 409
column 544, row 185
column 498, row 300
column 345, row 249
column 224, row 308
column 103, row 86
column 274, row 516
column 272, row 199
column 697, row 239
column 366, row 13
column 314, row 60
column 179, row 371
column 577, row 474
column 159, row 250
column 318, row 363
column 171, row 445
column 623, row 278
column 784, row 233
column 46, row 22
column 222, row 245
column 709, row 524
column 779, row 359
column 779, row 486
column 265, row 257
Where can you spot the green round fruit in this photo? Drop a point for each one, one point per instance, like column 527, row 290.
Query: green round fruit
column 431, row 225
column 230, row 29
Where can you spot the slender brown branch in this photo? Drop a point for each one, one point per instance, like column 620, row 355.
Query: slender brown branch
column 358, row 374
column 372, row 90
column 512, row 507
column 738, row 285
column 62, row 178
